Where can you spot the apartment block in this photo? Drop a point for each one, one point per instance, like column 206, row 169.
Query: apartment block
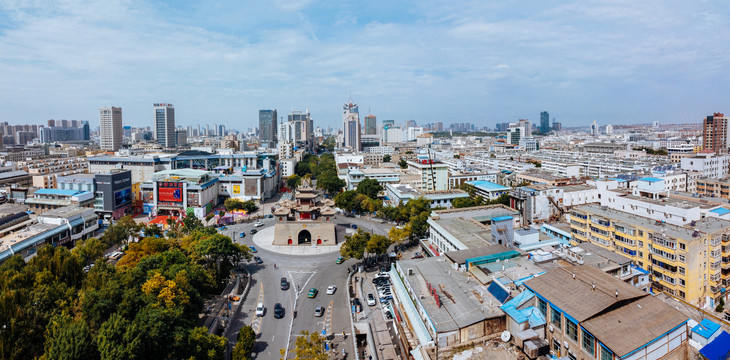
column 691, row 262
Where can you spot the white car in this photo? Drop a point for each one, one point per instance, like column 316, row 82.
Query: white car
column 331, row 290
column 258, row 224
column 371, row 300
column 260, row 309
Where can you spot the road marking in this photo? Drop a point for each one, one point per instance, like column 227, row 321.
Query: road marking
column 327, row 323
column 256, row 322
column 300, row 274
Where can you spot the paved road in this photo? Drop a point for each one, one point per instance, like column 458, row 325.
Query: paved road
column 303, row 273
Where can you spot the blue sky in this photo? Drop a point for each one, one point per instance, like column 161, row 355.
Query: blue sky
column 452, row 61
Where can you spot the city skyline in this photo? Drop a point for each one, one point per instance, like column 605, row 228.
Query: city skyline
column 616, row 63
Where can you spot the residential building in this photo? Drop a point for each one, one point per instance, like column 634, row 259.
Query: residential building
column 351, row 126
column 715, row 133
column 181, row 137
column 50, row 199
column 594, row 128
column 708, row 164
column 488, row 190
column 684, row 261
column 713, row 188
column 400, row 193
column 268, row 127
column 111, row 128
column 593, row 315
column 165, row 125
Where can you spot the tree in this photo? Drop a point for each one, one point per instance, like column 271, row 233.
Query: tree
column 292, row 182
column 89, row 250
column 720, row 305
column 369, row 187
column 309, row 346
column 397, row 235
column 346, row 200
column 244, row 343
column 330, row 183
column 69, row 339
column 204, row 346
column 112, row 340
column 191, row 223
column 403, row 163
column 355, row 245
column 378, row 244
column 386, row 158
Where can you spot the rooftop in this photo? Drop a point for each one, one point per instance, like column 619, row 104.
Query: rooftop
column 487, row 185
column 478, row 213
column 460, row 256
column 571, row 290
column 463, row 301
column 59, row 192
column 468, row 232
column 618, row 330
column 650, row 179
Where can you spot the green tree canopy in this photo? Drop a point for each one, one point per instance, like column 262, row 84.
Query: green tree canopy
column 369, row 187
column 292, row 182
column 403, row 163
column 309, row 346
column 244, row 343
column 386, row 158
column 355, row 245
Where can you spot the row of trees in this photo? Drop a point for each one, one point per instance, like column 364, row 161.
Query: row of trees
column 146, row 307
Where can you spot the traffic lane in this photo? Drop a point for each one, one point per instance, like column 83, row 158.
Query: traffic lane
column 306, row 320
column 273, row 333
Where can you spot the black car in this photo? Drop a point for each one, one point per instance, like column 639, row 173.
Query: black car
column 284, row 284
column 258, row 260
column 278, row 311
column 253, row 231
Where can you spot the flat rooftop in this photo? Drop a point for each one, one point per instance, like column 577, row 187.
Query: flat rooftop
column 65, row 212
column 463, row 300
column 460, row 256
column 24, row 234
column 478, row 213
column 470, row 233
column 10, row 209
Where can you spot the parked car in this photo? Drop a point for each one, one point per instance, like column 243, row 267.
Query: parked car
column 284, row 284
column 418, row 255
column 371, row 300
column 318, row 311
column 258, row 260
column 354, row 226
column 312, row 293
column 278, row 311
column 258, row 224
column 260, row 309
column 331, row 289
column 253, row 249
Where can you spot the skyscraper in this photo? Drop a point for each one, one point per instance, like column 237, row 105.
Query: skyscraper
column 410, row 123
column 351, row 125
column 299, row 130
column 438, row 126
column 165, row 125
column 110, row 130
column 268, row 127
column 371, row 127
column 594, row 128
column 714, row 133
column 544, row 122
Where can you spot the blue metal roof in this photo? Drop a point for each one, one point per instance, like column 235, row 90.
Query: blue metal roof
column 59, row 192
column 706, row 328
column 720, row 211
column 650, row 179
column 502, row 218
column 718, row 349
column 487, row 185
column 498, row 291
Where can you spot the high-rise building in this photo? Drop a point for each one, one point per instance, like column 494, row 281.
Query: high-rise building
column 268, row 127
column 165, row 124
column 714, row 133
column 371, row 127
column 526, row 127
column 438, row 126
column 609, row 129
column 544, row 122
column 410, row 123
column 181, row 137
column 111, row 128
column 351, row 125
column 594, row 128
column 557, row 126
column 298, row 129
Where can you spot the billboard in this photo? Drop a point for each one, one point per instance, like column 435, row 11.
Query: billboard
column 169, row 194
column 236, row 189
column 122, row 197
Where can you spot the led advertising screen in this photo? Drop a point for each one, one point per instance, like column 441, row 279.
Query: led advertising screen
column 122, row 197
column 169, row 194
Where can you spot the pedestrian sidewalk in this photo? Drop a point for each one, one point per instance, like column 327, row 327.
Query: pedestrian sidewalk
column 383, row 334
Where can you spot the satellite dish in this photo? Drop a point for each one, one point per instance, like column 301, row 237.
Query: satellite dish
column 505, row 336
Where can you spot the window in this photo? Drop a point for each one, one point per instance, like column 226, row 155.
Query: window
column 589, row 342
column 682, row 246
column 571, row 329
column 556, row 346
column 555, row 317
column 542, row 305
column 681, row 258
column 681, row 270
column 641, row 233
column 606, row 354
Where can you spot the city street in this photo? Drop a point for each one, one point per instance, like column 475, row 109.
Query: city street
column 302, row 272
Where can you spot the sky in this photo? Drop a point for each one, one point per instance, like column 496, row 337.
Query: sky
column 484, row 62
